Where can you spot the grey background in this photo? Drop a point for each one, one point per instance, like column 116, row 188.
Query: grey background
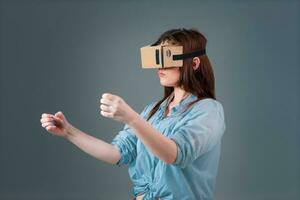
column 62, row 55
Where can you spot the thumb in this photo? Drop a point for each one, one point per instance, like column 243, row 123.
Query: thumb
column 60, row 115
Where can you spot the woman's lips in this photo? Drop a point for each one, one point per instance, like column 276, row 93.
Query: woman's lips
column 161, row 74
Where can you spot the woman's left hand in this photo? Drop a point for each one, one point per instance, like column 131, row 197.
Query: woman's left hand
column 113, row 106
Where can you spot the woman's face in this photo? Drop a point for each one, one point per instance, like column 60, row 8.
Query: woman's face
column 168, row 76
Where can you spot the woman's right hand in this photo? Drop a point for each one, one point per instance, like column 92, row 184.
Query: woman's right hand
column 56, row 124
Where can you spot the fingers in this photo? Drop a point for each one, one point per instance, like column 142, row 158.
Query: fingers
column 46, row 124
column 49, row 120
column 108, row 96
column 106, row 101
column 107, row 114
column 106, row 108
column 46, row 115
column 51, row 128
column 111, row 105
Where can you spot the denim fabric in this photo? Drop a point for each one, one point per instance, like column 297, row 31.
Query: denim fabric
column 197, row 133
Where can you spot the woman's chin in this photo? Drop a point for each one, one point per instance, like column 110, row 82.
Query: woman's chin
column 162, row 83
column 165, row 84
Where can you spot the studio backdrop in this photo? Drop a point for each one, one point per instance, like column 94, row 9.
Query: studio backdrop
column 63, row 55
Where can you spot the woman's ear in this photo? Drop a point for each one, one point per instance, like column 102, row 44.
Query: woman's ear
column 196, row 63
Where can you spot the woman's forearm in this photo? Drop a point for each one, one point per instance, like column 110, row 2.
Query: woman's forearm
column 161, row 146
column 93, row 146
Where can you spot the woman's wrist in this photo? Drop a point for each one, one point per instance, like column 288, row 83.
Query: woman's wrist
column 70, row 131
column 133, row 119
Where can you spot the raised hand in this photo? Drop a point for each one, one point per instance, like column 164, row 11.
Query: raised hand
column 56, row 124
column 113, row 106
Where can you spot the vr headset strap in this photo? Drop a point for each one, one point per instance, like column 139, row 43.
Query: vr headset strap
column 189, row 55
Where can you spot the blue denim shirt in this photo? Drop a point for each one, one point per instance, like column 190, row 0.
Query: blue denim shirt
column 197, row 133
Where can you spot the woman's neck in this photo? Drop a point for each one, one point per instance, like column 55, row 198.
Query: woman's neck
column 179, row 95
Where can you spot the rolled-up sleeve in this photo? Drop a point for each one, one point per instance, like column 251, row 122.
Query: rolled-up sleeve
column 199, row 133
column 125, row 141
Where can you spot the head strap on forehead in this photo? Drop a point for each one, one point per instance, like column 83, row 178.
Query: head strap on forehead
column 189, row 55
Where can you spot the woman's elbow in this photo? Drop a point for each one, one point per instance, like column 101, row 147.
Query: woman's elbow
column 170, row 160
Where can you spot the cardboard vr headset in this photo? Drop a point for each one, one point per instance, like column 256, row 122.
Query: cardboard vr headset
column 162, row 56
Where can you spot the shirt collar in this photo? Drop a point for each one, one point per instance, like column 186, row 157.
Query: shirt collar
column 180, row 105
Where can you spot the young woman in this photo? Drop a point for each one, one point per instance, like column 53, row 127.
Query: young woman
column 172, row 148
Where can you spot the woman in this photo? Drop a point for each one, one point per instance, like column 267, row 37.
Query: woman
column 172, row 147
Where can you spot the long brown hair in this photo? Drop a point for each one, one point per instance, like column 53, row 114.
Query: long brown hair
column 199, row 82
